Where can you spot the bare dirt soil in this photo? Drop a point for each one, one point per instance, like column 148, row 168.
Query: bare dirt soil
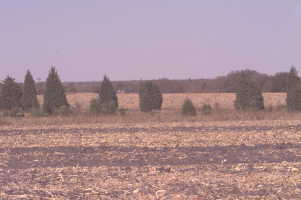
column 178, row 162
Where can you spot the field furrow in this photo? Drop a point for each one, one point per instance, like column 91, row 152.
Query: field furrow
column 251, row 161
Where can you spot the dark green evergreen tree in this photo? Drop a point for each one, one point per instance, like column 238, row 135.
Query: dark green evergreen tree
column 293, row 99
column 188, row 108
column 54, row 96
column 157, row 97
column 248, row 95
column 107, row 93
column 29, row 98
column 150, row 97
column 11, row 94
column 107, row 101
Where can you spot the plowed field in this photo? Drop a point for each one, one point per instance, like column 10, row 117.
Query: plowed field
column 191, row 160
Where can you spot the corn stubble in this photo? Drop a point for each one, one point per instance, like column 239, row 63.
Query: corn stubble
column 159, row 156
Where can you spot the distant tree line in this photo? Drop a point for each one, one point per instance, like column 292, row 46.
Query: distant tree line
column 228, row 83
column 247, row 84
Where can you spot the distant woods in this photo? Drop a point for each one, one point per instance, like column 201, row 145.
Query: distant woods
column 228, row 83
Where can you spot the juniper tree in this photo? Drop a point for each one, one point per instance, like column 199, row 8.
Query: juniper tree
column 293, row 99
column 29, row 98
column 206, row 109
column 107, row 101
column 150, row 97
column 248, row 94
column 107, row 93
column 188, row 108
column 54, row 96
column 11, row 94
column 157, row 97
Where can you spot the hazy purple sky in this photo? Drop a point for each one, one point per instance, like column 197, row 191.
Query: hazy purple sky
column 148, row 39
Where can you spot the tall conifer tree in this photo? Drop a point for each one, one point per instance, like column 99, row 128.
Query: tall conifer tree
column 293, row 99
column 107, row 93
column 29, row 99
column 11, row 94
column 54, row 96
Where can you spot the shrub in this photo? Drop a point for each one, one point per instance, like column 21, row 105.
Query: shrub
column 248, row 95
column 150, row 97
column 11, row 94
column 188, row 108
column 95, row 106
column 15, row 112
column 293, row 99
column 37, row 112
column 54, row 96
column 206, row 109
column 122, row 111
column 29, row 98
column 63, row 111
column 98, row 107
column 108, row 107
column 77, row 108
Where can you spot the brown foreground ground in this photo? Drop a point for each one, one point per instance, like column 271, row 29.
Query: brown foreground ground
column 150, row 159
column 227, row 155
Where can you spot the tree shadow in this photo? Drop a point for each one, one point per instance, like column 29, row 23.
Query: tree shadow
column 66, row 156
column 201, row 129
